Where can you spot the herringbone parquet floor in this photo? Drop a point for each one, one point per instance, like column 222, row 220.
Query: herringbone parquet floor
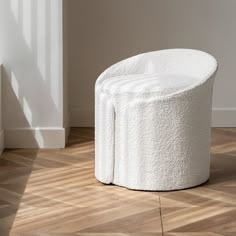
column 54, row 192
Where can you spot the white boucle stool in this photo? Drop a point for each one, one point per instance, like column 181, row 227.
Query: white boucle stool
column 153, row 119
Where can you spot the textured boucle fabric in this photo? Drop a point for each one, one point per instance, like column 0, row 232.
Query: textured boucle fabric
column 153, row 119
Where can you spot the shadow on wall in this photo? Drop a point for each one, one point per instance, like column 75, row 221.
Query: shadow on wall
column 31, row 83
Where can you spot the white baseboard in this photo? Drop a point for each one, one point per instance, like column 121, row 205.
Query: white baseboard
column 221, row 117
column 82, row 117
column 224, row 117
column 35, row 138
column 1, row 141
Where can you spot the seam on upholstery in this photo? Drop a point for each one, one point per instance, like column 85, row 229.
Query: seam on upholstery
column 114, row 141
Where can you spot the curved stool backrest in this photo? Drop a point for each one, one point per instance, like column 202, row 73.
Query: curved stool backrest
column 187, row 62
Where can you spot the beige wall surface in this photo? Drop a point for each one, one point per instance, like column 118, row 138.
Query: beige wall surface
column 106, row 31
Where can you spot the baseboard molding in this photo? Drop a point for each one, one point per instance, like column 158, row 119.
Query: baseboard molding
column 35, row 138
column 221, row 117
column 1, row 141
column 224, row 117
column 81, row 117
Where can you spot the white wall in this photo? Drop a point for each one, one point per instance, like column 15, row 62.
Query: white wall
column 31, row 51
column 106, row 31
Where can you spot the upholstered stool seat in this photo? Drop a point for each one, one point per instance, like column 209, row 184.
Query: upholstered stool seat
column 153, row 116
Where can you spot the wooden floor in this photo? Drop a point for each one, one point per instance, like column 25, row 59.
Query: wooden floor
column 54, row 192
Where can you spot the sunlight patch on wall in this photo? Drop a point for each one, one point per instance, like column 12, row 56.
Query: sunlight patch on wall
column 55, row 62
column 15, row 9
column 26, row 21
column 27, row 111
column 14, row 84
column 41, row 34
